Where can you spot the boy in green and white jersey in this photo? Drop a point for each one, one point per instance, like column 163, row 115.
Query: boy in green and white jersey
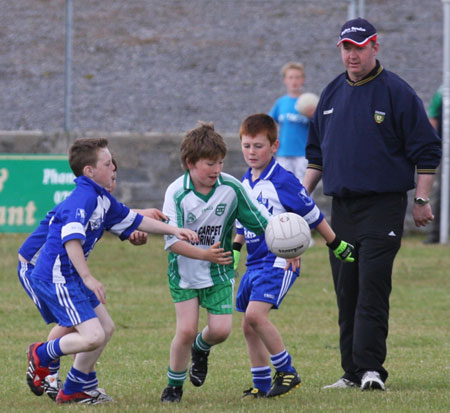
column 207, row 201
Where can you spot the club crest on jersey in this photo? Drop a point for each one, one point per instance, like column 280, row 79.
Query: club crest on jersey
column 96, row 223
column 379, row 116
column 220, row 209
column 305, row 197
column 264, row 201
column 191, row 218
column 80, row 215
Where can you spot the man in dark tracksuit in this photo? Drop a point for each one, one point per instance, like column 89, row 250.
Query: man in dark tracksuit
column 369, row 136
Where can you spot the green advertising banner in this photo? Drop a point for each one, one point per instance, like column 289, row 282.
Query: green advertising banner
column 30, row 186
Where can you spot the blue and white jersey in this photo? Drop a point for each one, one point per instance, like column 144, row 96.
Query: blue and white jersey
column 31, row 247
column 84, row 215
column 279, row 191
column 294, row 127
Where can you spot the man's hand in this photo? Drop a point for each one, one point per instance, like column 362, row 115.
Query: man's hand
column 342, row 250
column 422, row 215
column 218, row 255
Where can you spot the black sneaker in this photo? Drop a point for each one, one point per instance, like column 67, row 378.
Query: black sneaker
column 253, row 393
column 172, row 394
column 283, row 383
column 199, row 366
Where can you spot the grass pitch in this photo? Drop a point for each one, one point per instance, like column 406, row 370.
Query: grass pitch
column 133, row 367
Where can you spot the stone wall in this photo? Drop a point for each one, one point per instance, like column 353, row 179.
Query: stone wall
column 147, row 162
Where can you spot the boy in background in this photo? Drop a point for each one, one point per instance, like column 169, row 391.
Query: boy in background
column 268, row 278
column 207, row 201
column 293, row 125
column 61, row 279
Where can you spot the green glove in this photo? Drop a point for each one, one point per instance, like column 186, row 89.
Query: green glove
column 236, row 258
column 342, row 250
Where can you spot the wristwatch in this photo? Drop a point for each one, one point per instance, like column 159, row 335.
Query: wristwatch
column 421, row 201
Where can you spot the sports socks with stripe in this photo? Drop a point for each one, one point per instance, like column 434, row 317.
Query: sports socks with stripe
column 75, row 381
column 200, row 344
column 54, row 366
column 176, row 378
column 262, row 379
column 92, row 382
column 49, row 352
column 282, row 361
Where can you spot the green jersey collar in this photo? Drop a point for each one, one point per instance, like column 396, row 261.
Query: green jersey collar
column 189, row 185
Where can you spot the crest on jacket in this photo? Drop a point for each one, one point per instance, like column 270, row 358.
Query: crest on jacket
column 379, row 116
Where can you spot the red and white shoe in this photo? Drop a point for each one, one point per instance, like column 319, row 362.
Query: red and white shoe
column 35, row 372
column 96, row 396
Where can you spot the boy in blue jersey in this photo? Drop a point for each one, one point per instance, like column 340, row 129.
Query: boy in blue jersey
column 293, row 125
column 27, row 256
column 268, row 278
column 62, row 281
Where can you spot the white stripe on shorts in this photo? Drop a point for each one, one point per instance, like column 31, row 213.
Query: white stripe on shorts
column 66, row 302
column 285, row 285
column 26, row 283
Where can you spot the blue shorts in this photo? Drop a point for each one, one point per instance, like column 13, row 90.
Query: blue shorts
column 266, row 284
column 67, row 304
column 24, row 270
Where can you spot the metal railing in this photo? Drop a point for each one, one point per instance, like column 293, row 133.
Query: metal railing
column 355, row 9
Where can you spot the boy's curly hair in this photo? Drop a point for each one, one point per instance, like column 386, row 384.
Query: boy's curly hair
column 202, row 142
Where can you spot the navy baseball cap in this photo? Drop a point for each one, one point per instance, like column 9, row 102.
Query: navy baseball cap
column 357, row 31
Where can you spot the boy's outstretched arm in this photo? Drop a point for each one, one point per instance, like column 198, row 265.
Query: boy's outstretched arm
column 157, row 227
column 326, row 231
column 213, row 254
column 76, row 255
column 139, row 237
column 342, row 250
column 151, row 213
